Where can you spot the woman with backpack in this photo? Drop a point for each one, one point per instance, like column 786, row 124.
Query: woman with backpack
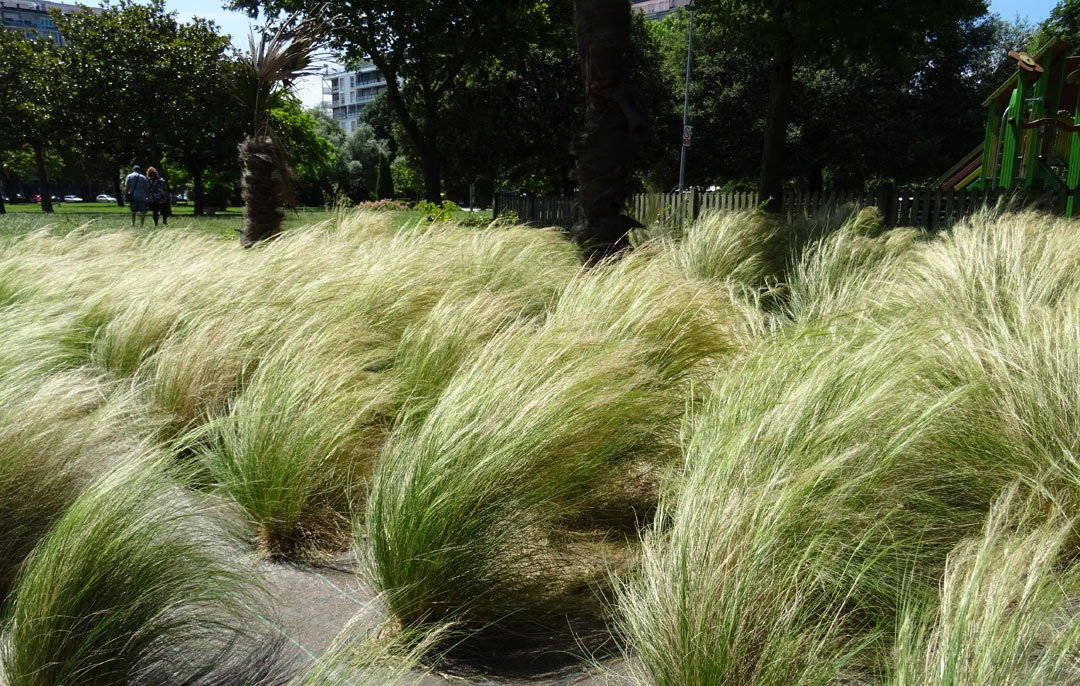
column 158, row 196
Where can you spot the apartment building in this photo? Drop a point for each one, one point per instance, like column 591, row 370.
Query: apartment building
column 32, row 18
column 348, row 92
column 656, row 10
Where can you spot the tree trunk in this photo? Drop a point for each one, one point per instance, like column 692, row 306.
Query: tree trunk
column 263, row 180
column 43, row 185
column 116, row 187
column 612, row 121
column 777, row 115
column 197, row 191
column 432, row 162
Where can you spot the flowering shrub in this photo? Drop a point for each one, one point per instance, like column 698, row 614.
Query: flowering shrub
column 382, row 205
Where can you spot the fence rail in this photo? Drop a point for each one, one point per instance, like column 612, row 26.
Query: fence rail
column 925, row 208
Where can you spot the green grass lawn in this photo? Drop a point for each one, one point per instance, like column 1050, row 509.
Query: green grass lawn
column 26, row 217
column 22, row 219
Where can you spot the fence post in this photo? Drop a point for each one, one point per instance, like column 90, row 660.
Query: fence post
column 495, row 206
column 694, row 200
column 886, row 204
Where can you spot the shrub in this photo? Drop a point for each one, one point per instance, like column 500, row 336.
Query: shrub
column 822, row 477
column 298, row 442
column 131, row 585
column 1003, row 614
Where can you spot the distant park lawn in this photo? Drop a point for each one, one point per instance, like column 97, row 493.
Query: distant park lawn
column 26, row 217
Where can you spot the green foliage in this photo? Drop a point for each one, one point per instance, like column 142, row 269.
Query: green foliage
column 438, row 212
column 420, row 59
column 309, row 152
column 150, row 87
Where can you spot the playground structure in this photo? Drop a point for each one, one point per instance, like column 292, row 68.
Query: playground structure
column 1032, row 135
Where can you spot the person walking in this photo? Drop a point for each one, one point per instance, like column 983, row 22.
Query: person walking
column 158, row 196
column 136, row 186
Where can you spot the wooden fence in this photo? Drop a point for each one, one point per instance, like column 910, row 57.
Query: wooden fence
column 925, row 208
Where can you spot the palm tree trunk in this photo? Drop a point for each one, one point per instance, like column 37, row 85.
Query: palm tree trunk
column 612, row 121
column 264, row 178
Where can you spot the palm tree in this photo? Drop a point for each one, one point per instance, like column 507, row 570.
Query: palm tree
column 612, row 119
column 264, row 80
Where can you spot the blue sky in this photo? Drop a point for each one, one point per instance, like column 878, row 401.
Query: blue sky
column 236, row 25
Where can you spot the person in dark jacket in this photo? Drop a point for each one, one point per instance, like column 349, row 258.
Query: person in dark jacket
column 158, row 196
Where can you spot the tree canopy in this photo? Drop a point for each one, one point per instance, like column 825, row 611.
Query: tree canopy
column 422, row 48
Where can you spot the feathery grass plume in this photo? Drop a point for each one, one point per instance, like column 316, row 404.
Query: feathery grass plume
column 122, row 344
column 468, row 500
column 996, row 268
column 1025, row 390
column 820, row 477
column 737, row 247
column 298, row 442
column 198, row 370
column 846, row 273
column 1006, row 613
column 41, row 338
column 460, row 500
column 56, row 434
column 1002, row 290
column 679, row 325
column 133, row 584
column 432, row 350
column 395, row 281
column 364, row 655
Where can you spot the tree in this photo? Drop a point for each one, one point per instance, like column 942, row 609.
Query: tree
column 1064, row 23
column 360, row 154
column 422, row 48
column 37, row 100
column 16, row 61
column 150, row 88
column 612, row 119
column 205, row 123
column 263, row 81
column 309, row 152
column 790, row 33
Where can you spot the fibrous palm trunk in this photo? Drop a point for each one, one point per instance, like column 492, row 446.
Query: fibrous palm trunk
column 265, row 189
column 612, row 120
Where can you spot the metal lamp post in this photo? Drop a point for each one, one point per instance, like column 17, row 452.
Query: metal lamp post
column 687, row 129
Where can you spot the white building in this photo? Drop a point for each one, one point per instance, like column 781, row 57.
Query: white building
column 656, row 10
column 32, row 18
column 347, row 92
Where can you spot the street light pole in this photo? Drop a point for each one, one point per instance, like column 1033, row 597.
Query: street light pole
column 686, row 104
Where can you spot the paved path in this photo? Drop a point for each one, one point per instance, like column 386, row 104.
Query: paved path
column 313, row 604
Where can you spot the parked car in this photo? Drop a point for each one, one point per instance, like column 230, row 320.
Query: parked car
column 105, row 198
column 72, row 198
column 35, row 198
